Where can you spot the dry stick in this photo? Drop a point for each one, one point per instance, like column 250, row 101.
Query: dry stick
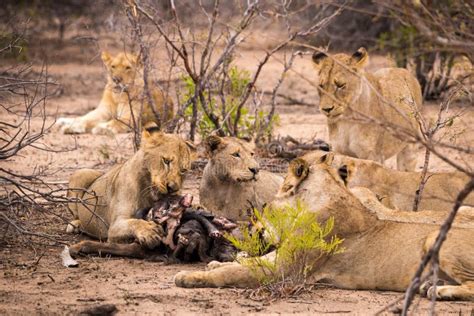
column 26, row 232
column 312, row 30
column 287, row 66
column 291, row 100
column 433, row 252
column 429, row 135
column 201, row 81
column 145, row 57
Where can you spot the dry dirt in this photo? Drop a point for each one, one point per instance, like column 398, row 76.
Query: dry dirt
column 33, row 281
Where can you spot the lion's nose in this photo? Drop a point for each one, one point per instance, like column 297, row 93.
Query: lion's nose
column 328, row 110
column 254, row 170
column 172, row 187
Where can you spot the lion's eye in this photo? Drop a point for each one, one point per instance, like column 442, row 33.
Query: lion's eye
column 166, row 161
column 252, row 154
column 340, row 85
column 128, row 68
column 321, row 86
column 236, row 155
column 113, row 66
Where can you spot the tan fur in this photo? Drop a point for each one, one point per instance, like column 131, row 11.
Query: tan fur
column 395, row 189
column 228, row 187
column 379, row 254
column 124, row 87
column 348, row 96
column 112, row 198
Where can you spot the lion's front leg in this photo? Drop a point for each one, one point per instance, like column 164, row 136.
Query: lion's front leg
column 229, row 275
column 147, row 233
column 112, row 127
column 85, row 123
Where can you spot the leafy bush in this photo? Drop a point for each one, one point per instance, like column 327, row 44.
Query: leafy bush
column 299, row 241
column 249, row 123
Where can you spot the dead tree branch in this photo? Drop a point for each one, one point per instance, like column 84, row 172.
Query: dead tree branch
column 433, row 252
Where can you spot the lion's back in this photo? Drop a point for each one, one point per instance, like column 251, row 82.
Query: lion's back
column 399, row 85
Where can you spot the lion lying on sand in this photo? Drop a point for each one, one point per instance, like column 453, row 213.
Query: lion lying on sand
column 124, row 90
column 112, row 199
column 379, row 254
column 395, row 189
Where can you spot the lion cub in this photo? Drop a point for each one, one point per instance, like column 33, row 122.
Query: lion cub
column 124, row 90
column 232, row 182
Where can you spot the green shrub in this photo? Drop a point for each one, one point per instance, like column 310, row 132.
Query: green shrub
column 299, row 240
column 250, row 122
column 13, row 46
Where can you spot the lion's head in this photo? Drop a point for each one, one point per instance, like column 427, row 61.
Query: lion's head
column 122, row 68
column 231, row 159
column 299, row 169
column 339, row 83
column 167, row 157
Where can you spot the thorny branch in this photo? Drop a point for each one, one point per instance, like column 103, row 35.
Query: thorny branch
column 433, row 252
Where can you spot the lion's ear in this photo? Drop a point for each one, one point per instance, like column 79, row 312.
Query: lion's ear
column 299, row 167
column 152, row 131
column 360, row 58
column 322, row 145
column 318, row 58
column 213, row 142
column 327, row 158
column 346, row 171
column 106, row 57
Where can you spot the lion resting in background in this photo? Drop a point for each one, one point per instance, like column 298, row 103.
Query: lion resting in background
column 395, row 189
column 232, row 182
column 356, row 104
column 124, row 90
column 110, row 200
column 379, row 254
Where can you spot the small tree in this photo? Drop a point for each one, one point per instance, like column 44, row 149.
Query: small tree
column 300, row 240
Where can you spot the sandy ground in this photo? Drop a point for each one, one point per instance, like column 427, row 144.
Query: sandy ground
column 33, row 281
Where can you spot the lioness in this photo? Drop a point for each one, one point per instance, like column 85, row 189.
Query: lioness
column 123, row 91
column 112, row 199
column 395, row 189
column 379, row 254
column 232, row 182
column 349, row 96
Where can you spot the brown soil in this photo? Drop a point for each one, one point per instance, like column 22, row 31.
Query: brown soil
column 33, row 281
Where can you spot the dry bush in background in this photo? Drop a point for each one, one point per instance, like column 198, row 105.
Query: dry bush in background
column 216, row 95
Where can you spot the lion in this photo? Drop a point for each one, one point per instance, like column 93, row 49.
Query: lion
column 379, row 254
column 395, row 189
column 124, row 90
column 110, row 200
column 232, row 182
column 357, row 103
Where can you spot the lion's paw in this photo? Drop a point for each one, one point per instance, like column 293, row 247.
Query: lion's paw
column 64, row 121
column 213, row 265
column 73, row 227
column 103, row 129
column 149, row 234
column 189, row 279
column 427, row 285
column 73, row 128
column 443, row 292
